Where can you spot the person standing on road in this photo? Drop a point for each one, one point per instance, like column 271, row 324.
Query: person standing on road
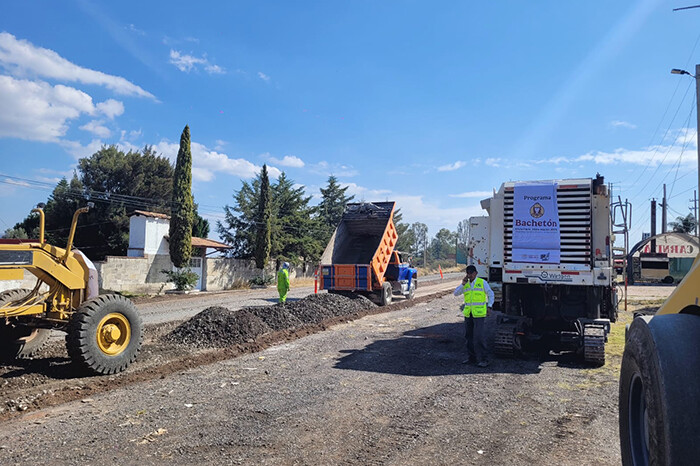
column 478, row 300
column 283, row 282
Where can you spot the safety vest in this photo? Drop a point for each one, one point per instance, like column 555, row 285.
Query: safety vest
column 283, row 280
column 475, row 302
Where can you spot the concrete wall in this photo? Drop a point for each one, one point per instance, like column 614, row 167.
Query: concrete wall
column 142, row 275
column 27, row 282
column 135, row 274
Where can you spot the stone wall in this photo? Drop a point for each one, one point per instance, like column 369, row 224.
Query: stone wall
column 142, row 275
column 135, row 274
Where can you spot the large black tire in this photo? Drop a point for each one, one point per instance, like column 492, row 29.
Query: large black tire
column 18, row 341
column 659, row 413
column 385, row 294
column 105, row 335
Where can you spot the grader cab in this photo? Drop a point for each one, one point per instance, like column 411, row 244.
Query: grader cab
column 103, row 332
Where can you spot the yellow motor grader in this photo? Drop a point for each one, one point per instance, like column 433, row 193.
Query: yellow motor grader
column 659, row 393
column 103, row 332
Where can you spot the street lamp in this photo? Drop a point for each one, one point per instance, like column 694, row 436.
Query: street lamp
column 697, row 111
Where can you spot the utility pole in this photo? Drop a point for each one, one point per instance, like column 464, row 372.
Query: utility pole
column 695, row 210
column 696, row 76
column 653, row 226
column 697, row 134
column 663, row 212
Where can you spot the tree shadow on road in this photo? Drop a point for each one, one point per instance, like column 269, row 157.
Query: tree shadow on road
column 429, row 351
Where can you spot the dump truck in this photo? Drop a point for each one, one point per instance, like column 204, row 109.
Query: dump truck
column 659, row 409
column 547, row 245
column 361, row 256
column 103, row 332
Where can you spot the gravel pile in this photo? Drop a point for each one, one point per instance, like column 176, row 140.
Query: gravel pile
column 218, row 326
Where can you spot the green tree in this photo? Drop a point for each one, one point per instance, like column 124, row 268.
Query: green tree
column 684, row 224
column 238, row 227
column 58, row 212
column 295, row 228
column 263, row 222
column 182, row 215
column 463, row 236
column 404, row 233
column 15, row 233
column 443, row 244
column 419, row 249
column 117, row 183
column 331, row 207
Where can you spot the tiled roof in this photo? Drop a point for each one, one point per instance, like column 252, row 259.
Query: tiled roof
column 151, row 214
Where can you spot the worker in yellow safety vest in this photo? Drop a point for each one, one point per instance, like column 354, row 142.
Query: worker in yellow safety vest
column 478, row 300
column 283, row 282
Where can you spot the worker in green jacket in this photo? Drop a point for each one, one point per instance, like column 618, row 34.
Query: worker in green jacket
column 283, row 281
column 478, row 300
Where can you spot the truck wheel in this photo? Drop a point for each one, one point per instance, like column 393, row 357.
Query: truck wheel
column 412, row 289
column 19, row 341
column 105, row 334
column 385, row 296
column 659, row 381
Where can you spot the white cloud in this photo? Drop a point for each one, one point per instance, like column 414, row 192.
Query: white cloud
column 187, row 63
column 78, row 151
column 214, row 69
column 38, row 111
column 220, row 144
column 95, row 127
column 417, row 209
column 136, row 30
column 206, row 163
column 683, row 149
column 130, row 135
column 473, row 194
column 111, row 108
column 24, row 59
column 493, row 162
column 622, row 124
column 263, row 76
column 184, row 62
column 365, row 194
column 451, row 167
column 326, row 169
column 288, row 161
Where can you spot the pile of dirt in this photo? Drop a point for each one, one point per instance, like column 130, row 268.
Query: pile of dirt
column 220, row 327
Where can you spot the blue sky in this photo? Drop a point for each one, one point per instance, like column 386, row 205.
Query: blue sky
column 430, row 104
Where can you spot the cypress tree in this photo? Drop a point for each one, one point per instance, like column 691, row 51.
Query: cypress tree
column 182, row 214
column 263, row 222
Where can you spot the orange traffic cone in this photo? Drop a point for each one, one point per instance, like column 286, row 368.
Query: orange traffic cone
column 440, row 269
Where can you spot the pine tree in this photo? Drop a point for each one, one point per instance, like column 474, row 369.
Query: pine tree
column 406, row 240
column 331, row 207
column 263, row 218
column 182, row 205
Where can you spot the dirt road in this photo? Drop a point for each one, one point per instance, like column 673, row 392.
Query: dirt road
column 388, row 388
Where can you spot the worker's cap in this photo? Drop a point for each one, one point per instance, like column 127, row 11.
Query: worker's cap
column 285, row 265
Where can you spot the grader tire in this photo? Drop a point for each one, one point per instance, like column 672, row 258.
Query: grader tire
column 19, row 341
column 105, row 335
column 659, row 381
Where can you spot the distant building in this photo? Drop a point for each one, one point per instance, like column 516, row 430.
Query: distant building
column 673, row 256
column 148, row 237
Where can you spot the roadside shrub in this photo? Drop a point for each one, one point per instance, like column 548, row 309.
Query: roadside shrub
column 267, row 280
column 183, row 279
